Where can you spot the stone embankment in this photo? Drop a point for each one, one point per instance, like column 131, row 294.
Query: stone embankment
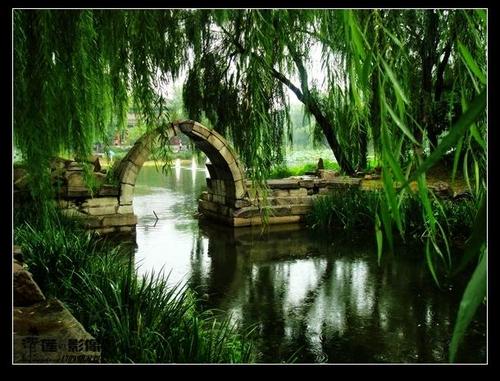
column 44, row 329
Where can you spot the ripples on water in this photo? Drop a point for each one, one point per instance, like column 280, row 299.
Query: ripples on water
column 305, row 296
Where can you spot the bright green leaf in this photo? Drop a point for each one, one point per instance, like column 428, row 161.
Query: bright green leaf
column 473, row 297
column 471, row 63
column 457, row 131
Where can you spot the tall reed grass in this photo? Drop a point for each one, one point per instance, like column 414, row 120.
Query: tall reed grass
column 135, row 319
column 354, row 210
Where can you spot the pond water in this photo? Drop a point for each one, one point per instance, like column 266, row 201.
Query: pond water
column 307, row 297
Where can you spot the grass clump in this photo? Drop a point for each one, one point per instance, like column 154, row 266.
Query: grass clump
column 135, row 319
column 353, row 210
column 284, row 170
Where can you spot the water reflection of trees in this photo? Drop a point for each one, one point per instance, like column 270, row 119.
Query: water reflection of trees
column 332, row 303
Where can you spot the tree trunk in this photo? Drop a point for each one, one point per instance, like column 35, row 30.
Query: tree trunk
column 313, row 107
column 327, row 129
column 363, row 148
column 308, row 100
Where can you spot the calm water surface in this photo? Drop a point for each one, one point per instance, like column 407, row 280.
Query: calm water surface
column 307, row 297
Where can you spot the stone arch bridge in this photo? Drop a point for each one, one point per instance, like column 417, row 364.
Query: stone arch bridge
column 229, row 198
column 226, row 184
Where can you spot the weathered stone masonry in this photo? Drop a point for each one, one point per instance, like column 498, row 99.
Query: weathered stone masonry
column 229, row 199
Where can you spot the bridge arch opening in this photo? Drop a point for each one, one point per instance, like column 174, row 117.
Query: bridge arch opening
column 227, row 183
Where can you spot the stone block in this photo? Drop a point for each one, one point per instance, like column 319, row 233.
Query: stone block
column 75, row 179
column 305, row 200
column 126, row 194
column 100, row 202
column 119, row 220
column 299, row 209
column 26, row 291
column 255, row 221
column 108, row 190
column 227, row 155
column 201, row 130
column 204, row 196
column 237, row 172
column 207, row 205
column 215, row 142
column 128, row 172
column 298, row 192
column 280, row 193
column 241, row 203
column 327, row 174
column 107, row 230
column 239, row 189
column 141, row 150
column 126, row 228
column 186, row 126
column 306, row 183
column 93, row 221
column 125, row 209
column 51, row 321
column 218, row 199
column 101, row 210
column 74, row 166
column 223, row 210
column 320, row 183
column 283, row 184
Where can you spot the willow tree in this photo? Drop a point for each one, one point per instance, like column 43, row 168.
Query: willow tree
column 77, row 71
column 412, row 81
column 244, row 63
column 429, row 89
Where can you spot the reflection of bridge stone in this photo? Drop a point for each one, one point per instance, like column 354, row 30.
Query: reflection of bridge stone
column 229, row 198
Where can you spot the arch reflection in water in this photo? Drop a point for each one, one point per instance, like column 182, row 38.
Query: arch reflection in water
column 177, row 169
column 323, row 300
column 194, row 169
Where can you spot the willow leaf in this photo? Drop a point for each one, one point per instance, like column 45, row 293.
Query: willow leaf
column 456, row 158
column 476, row 135
column 477, row 238
column 471, row 63
column 380, row 238
column 397, row 87
column 475, row 110
column 400, row 124
column 387, row 223
column 430, row 263
column 473, row 296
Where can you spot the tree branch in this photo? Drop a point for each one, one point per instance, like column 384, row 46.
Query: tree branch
column 280, row 77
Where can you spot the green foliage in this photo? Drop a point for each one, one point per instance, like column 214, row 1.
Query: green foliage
column 135, row 319
column 474, row 296
column 75, row 72
column 299, row 170
column 354, row 210
column 350, row 209
column 414, row 81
